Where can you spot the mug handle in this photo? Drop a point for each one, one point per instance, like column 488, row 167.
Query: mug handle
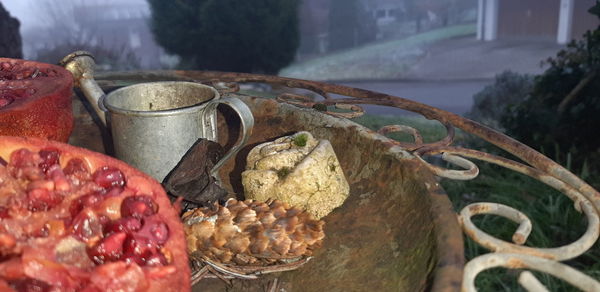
column 247, row 124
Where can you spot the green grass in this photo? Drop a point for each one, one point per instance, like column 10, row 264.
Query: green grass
column 390, row 59
column 555, row 221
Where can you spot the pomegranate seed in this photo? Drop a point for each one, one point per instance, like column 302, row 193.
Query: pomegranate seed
column 129, row 258
column 23, row 92
column 42, row 232
column 10, row 94
column 110, row 208
column 75, row 208
column 139, row 251
column 109, row 249
column 27, row 72
column 31, row 173
column 89, row 200
column 4, row 213
column 23, row 158
column 155, row 230
column 42, row 199
column 139, row 246
column 30, row 285
column 86, row 226
column 7, row 242
column 6, row 100
column 68, row 221
column 126, row 224
column 6, row 66
column 16, row 203
column 138, row 206
column 107, row 177
column 50, row 157
column 157, row 259
column 103, row 220
column 41, row 184
column 58, row 177
column 77, row 168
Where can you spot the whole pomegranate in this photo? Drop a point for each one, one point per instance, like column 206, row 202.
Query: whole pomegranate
column 76, row 220
column 35, row 100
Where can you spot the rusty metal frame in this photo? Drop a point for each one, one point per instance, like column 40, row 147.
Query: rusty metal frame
column 510, row 255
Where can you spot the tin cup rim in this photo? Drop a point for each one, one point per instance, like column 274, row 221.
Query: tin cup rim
column 105, row 100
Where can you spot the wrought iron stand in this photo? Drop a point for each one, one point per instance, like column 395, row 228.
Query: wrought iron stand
column 512, row 255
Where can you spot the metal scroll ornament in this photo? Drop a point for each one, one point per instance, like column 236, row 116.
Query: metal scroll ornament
column 511, row 255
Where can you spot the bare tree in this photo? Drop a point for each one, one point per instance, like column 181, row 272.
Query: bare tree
column 67, row 21
column 70, row 25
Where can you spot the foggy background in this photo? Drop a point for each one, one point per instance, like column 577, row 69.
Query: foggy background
column 119, row 28
column 440, row 52
column 123, row 25
column 506, row 64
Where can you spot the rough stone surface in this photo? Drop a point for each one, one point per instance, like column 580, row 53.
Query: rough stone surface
column 304, row 173
column 10, row 38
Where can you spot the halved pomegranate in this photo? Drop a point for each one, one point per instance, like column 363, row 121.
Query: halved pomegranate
column 76, row 220
column 35, row 100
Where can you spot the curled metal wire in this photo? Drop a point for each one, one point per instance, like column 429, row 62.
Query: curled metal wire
column 520, row 236
column 514, row 252
column 418, row 139
column 523, row 261
column 353, row 111
column 510, row 255
column 470, row 169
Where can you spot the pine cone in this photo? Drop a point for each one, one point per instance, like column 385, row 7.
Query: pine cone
column 252, row 232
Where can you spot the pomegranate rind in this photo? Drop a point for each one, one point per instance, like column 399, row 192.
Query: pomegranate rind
column 46, row 113
column 174, row 281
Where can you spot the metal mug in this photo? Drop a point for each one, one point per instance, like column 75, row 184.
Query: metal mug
column 154, row 124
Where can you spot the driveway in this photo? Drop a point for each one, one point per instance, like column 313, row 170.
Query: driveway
column 468, row 58
column 452, row 71
column 454, row 96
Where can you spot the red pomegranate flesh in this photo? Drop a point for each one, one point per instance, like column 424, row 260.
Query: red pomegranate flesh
column 76, row 220
column 35, row 100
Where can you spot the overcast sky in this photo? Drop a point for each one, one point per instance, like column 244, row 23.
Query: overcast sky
column 19, row 9
column 26, row 12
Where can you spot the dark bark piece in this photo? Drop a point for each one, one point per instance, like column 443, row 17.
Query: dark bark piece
column 191, row 177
